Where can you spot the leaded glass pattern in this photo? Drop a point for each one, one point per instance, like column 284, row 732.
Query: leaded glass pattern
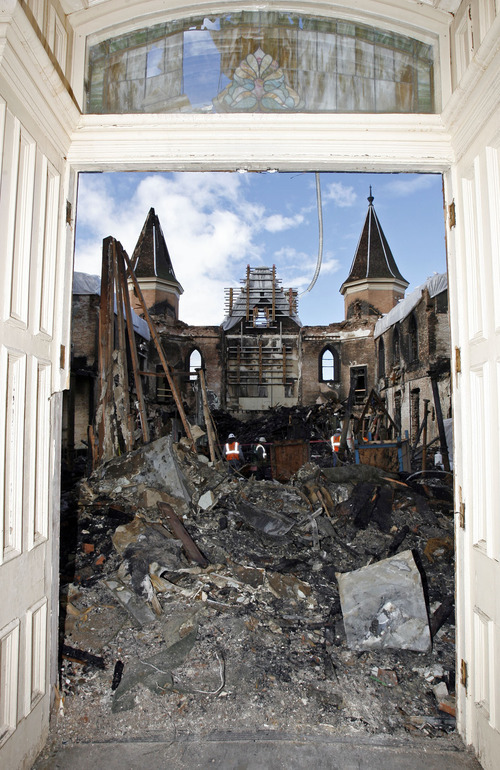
column 260, row 61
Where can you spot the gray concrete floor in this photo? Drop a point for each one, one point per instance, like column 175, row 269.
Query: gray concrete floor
column 264, row 751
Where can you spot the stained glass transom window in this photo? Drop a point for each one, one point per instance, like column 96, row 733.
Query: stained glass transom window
column 260, row 61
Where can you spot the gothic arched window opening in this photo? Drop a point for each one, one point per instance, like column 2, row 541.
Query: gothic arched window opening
column 195, row 362
column 329, row 365
column 381, row 358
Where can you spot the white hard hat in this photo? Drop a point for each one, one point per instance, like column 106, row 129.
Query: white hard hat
column 262, row 439
column 231, row 435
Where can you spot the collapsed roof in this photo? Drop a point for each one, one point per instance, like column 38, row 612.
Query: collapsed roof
column 435, row 285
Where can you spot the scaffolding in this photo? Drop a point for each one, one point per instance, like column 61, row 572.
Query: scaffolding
column 261, row 301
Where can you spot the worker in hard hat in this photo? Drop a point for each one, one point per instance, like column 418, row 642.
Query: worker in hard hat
column 260, row 458
column 233, row 453
column 335, row 442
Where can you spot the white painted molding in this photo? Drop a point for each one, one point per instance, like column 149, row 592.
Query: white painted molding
column 258, row 142
column 32, row 86
column 477, row 94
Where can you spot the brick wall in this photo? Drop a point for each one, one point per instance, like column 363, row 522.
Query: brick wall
column 407, row 379
column 85, row 327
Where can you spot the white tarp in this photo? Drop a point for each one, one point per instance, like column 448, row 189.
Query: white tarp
column 435, row 285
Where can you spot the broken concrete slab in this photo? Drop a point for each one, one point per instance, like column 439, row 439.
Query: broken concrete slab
column 154, row 465
column 140, row 612
column 383, row 606
column 155, row 673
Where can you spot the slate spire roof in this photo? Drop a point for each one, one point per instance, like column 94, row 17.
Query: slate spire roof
column 151, row 258
column 373, row 258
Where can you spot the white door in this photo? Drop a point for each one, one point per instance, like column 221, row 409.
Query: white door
column 30, row 361
column 474, row 266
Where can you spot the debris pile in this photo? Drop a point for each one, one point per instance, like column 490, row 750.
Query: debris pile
column 202, row 600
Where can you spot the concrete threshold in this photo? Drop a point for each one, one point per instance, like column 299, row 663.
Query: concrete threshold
column 263, row 750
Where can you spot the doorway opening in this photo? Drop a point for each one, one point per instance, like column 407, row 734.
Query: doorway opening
column 284, row 647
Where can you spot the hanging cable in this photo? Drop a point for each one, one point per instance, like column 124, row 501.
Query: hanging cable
column 320, row 244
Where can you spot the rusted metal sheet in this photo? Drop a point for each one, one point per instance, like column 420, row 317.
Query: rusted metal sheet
column 287, row 457
column 390, row 456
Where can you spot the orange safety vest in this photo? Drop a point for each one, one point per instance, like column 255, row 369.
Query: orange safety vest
column 232, row 451
column 336, row 443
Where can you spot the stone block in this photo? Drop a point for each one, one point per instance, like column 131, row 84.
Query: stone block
column 383, row 606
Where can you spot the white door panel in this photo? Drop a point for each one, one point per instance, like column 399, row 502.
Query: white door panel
column 30, row 206
column 474, row 271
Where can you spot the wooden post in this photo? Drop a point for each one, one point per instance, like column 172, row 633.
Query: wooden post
column 161, row 353
column 133, row 349
column 208, row 416
column 439, row 419
column 123, row 406
column 424, row 434
column 92, row 448
column 105, row 357
column 347, row 419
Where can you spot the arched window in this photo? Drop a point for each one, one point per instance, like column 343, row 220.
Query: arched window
column 412, row 339
column 141, row 70
column 329, row 365
column 396, row 347
column 194, row 364
column 381, row 358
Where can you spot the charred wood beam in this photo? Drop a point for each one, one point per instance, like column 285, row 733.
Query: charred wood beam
column 161, row 353
column 133, row 349
column 105, row 356
column 178, row 529
column 208, row 417
column 122, row 399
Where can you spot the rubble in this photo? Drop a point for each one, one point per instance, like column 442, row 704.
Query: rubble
column 225, row 600
column 383, row 605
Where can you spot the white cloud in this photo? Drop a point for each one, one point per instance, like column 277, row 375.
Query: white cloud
column 277, row 223
column 405, row 184
column 213, row 228
column 341, row 194
column 208, row 230
column 298, row 268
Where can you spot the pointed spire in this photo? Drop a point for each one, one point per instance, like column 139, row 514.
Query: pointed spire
column 373, row 258
column 373, row 264
column 151, row 258
column 154, row 272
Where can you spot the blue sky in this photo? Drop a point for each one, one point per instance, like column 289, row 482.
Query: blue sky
column 217, row 223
